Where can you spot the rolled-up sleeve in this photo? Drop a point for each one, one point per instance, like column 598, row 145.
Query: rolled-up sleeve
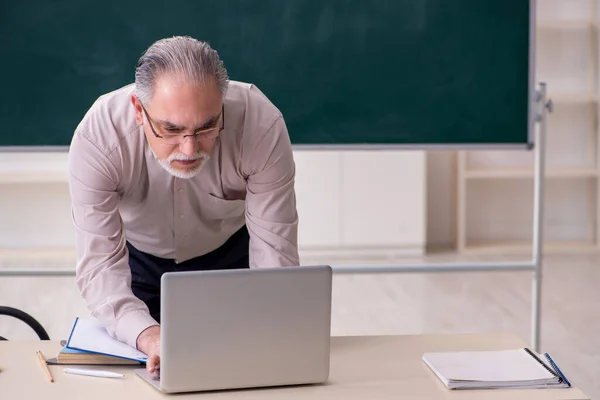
column 271, row 215
column 103, row 275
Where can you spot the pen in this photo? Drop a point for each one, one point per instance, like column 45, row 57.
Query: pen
column 93, row 372
column 558, row 371
column 44, row 365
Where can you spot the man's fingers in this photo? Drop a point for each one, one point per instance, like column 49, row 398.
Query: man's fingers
column 153, row 363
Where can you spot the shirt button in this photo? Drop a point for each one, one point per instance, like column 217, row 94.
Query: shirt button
column 181, row 190
column 181, row 216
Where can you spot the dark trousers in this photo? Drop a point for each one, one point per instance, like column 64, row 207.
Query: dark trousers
column 146, row 269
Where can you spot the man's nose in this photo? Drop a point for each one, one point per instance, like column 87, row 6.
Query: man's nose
column 189, row 146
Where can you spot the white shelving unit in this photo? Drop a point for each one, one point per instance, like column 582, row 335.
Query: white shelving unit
column 495, row 188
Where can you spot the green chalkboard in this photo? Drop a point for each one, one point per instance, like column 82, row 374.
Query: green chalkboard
column 343, row 72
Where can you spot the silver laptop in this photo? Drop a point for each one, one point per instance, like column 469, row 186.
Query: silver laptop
column 244, row 328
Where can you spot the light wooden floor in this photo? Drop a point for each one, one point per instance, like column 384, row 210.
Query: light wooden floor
column 406, row 304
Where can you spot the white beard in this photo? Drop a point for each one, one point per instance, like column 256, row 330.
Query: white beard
column 166, row 164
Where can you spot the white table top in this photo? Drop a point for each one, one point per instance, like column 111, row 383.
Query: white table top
column 362, row 367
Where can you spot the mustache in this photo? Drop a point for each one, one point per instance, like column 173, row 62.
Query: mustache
column 183, row 157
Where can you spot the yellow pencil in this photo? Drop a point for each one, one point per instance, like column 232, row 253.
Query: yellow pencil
column 44, row 365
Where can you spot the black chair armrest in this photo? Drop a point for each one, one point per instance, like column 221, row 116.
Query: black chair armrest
column 28, row 319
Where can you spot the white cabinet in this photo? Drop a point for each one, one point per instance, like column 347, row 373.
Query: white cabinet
column 351, row 204
column 318, row 192
column 360, row 205
column 383, row 199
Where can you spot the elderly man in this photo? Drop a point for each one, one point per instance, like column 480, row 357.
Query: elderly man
column 182, row 170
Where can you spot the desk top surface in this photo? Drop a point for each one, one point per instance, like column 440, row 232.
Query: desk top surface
column 362, row 367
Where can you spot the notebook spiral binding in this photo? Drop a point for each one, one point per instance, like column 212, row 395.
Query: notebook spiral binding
column 532, row 354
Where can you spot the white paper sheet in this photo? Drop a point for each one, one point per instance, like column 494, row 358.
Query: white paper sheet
column 89, row 335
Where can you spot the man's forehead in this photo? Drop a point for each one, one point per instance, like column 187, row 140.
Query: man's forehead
column 180, row 103
column 200, row 120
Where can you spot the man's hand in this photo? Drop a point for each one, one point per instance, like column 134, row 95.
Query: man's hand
column 149, row 342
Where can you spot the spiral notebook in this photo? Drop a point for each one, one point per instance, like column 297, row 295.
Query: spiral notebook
column 501, row 369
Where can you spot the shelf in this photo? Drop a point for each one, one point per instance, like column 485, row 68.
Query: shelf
column 66, row 255
column 33, row 168
column 572, row 97
column 528, row 173
column 566, row 24
column 33, row 177
column 527, row 247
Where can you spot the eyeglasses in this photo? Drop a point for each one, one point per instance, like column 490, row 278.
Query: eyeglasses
column 202, row 134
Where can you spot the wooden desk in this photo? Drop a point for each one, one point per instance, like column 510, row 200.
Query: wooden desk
column 371, row 367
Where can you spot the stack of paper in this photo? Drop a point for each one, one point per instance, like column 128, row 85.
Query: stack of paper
column 90, row 343
column 519, row 368
column 70, row 356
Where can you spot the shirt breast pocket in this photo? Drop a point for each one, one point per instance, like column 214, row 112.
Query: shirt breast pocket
column 218, row 208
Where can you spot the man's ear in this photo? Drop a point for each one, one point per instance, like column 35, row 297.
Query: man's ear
column 137, row 106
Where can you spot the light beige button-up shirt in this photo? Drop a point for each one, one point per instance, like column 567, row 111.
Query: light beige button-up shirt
column 120, row 192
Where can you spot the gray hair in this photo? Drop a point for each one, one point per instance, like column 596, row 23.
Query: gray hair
column 185, row 57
